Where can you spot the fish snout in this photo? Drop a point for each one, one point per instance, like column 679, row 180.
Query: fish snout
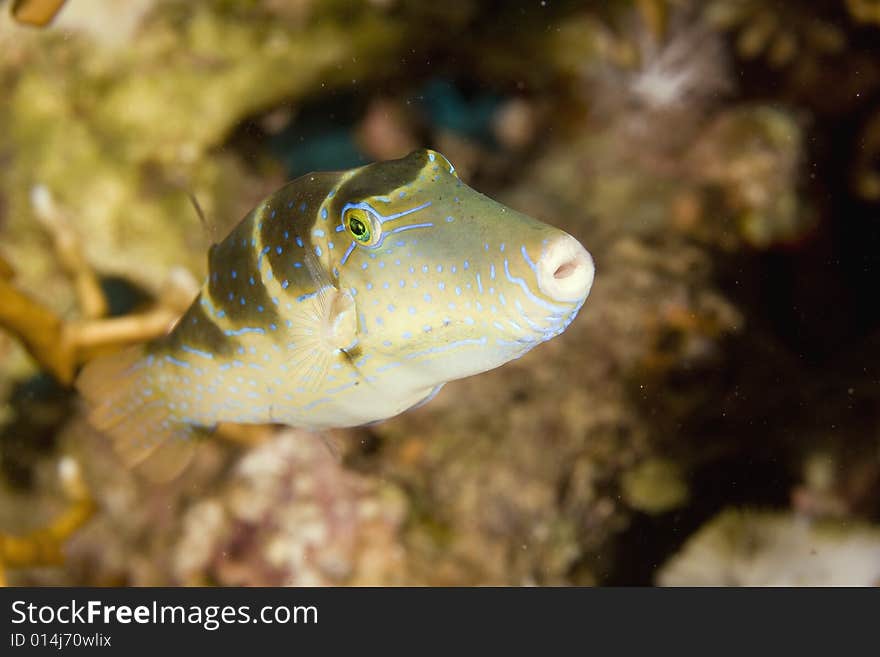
column 565, row 270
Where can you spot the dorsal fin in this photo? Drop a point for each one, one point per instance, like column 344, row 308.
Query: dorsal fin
column 209, row 228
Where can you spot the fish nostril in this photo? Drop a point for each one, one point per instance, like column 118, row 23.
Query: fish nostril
column 565, row 270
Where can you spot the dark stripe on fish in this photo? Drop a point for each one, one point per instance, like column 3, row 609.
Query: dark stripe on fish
column 197, row 331
column 234, row 280
column 380, row 179
column 287, row 222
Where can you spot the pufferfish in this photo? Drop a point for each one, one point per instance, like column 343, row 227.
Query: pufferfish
column 342, row 299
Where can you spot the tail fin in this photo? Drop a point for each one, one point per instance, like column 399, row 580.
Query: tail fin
column 122, row 405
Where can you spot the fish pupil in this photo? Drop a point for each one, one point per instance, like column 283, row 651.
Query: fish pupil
column 358, row 229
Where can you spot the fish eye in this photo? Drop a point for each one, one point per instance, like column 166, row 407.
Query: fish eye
column 362, row 225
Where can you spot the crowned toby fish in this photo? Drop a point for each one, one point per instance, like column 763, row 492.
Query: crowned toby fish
column 342, row 299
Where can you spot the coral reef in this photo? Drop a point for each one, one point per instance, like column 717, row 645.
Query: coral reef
column 287, row 512
column 742, row 548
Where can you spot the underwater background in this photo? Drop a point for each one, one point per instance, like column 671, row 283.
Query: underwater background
column 712, row 416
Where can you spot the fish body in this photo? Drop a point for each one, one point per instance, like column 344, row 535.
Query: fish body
column 342, row 299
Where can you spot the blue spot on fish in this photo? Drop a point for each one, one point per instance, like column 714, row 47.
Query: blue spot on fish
column 197, row 352
column 244, row 331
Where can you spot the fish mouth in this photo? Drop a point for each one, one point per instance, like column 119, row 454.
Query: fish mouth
column 563, row 275
column 565, row 270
